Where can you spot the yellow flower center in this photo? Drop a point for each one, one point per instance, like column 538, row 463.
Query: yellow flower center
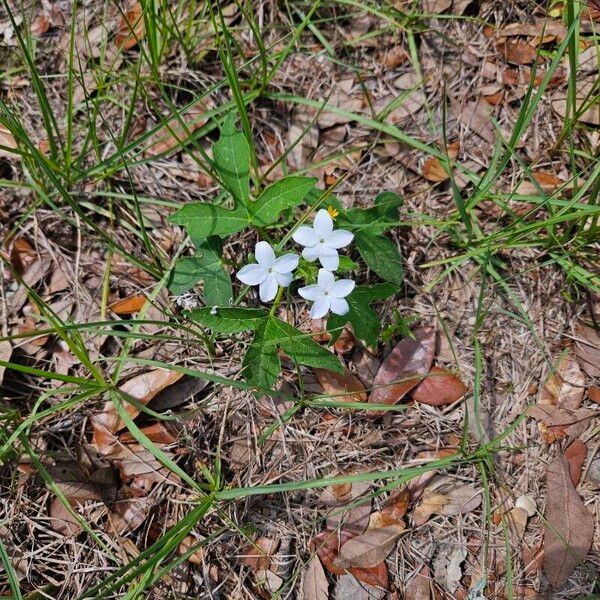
column 332, row 211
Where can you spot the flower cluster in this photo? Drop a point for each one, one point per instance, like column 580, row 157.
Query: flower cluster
column 321, row 242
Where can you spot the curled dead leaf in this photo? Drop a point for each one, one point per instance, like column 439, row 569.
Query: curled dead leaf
column 7, row 143
column 446, row 496
column 404, row 368
column 439, row 387
column 545, row 180
column 517, row 53
column 556, row 423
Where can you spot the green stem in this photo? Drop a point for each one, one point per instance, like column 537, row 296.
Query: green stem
column 276, row 302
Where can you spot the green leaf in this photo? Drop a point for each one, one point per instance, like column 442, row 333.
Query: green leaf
column 346, row 264
column 206, row 266
column 261, row 363
column 286, row 193
column 203, row 220
column 363, row 318
column 383, row 215
column 229, row 320
column 301, row 348
column 381, row 255
column 231, row 155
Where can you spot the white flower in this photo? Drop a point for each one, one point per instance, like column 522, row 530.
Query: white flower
column 328, row 294
column 321, row 241
column 270, row 272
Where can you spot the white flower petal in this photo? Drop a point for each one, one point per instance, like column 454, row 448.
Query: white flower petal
column 339, row 238
column 320, row 308
column 311, row 292
column 264, row 254
column 252, row 274
column 286, row 263
column 329, row 258
column 323, row 224
column 268, row 289
column 311, row 254
column 325, row 279
column 339, row 306
column 283, row 279
column 341, row 288
column 306, row 236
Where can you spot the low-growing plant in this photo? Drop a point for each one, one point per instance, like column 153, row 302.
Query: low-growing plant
column 269, row 212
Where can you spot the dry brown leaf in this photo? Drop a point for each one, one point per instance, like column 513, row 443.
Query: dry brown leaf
column 8, row 141
column 131, row 27
column 594, row 394
column 258, row 555
column 348, row 587
column 436, row 7
column 186, row 545
column 419, row 585
column 5, row 354
column 314, row 581
column 446, row 496
column 61, row 519
column 344, row 387
column 433, row 170
column 128, row 514
column 576, row 454
column 345, row 343
column 536, row 29
column 370, row 548
column 587, row 349
column 569, row 525
column 588, row 106
column 128, row 306
column 404, row 368
column 475, row 116
column 565, row 386
column 556, row 423
column 439, row 387
column 156, row 433
column 366, row 365
column 142, row 388
column 40, row 25
column 327, row 545
column 393, row 57
column 350, row 509
column 177, row 394
column 178, row 129
column 546, row 180
column 517, row 53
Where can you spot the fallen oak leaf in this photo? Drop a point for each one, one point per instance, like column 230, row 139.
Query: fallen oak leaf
column 370, row 548
column 344, row 387
column 433, row 170
column 404, row 368
column 518, row 53
column 547, row 181
column 327, row 545
column 576, row 454
column 314, row 581
column 439, row 387
column 419, row 586
column 569, row 525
